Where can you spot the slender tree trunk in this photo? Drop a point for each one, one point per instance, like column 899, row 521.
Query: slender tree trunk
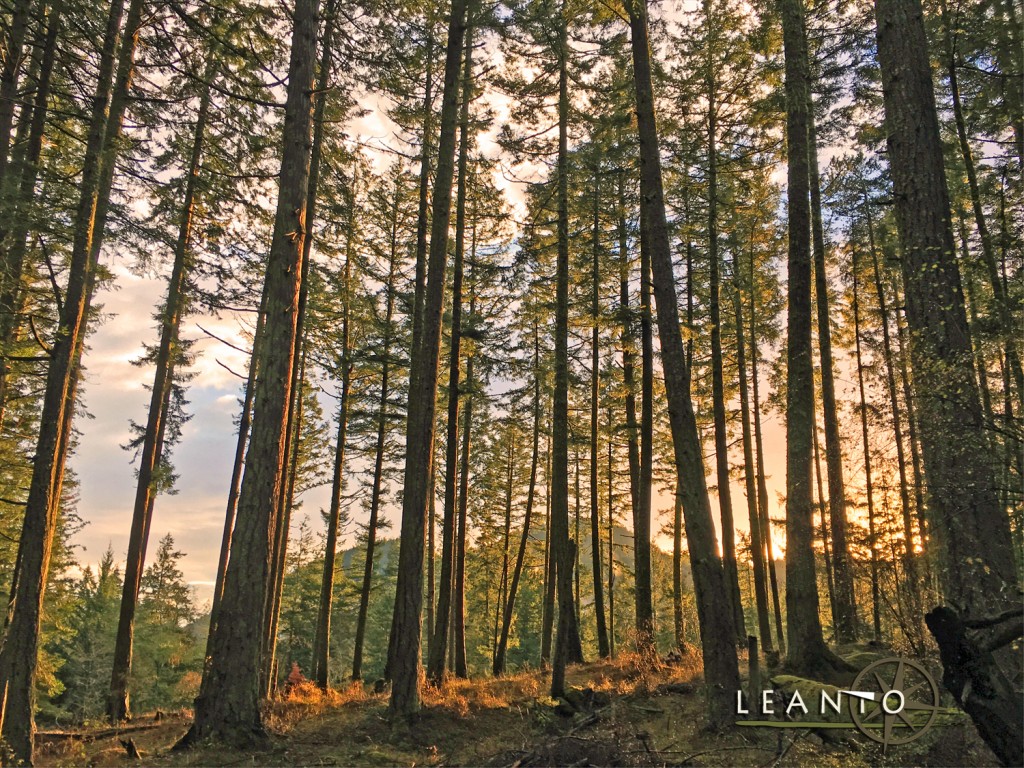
column 383, row 417
column 845, row 614
column 228, row 705
column 764, row 513
column 13, row 251
column 717, row 376
column 679, row 622
column 595, row 362
column 153, row 441
column 460, row 666
column 548, row 600
column 749, row 476
column 18, row 655
column 721, row 671
column 423, row 224
column 826, row 551
column 807, row 652
column 563, row 553
column 506, row 540
column 611, row 539
column 643, row 591
column 517, row 571
column 404, row 659
column 973, row 536
column 869, row 489
column 287, row 505
column 322, row 638
column 444, row 616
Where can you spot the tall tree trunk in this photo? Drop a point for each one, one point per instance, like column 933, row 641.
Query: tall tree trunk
column 595, row 362
column 826, row 550
column 506, row 540
column 287, row 505
column 153, row 441
column 517, row 572
column 423, row 225
column 322, row 638
column 972, row 532
column 717, row 629
column 13, row 57
column 18, row 655
column 611, row 538
column 764, row 513
column 807, row 652
column 383, row 417
column 732, row 579
column 749, row 476
column 563, row 553
column 547, row 619
column 460, row 667
column 228, row 705
column 439, row 648
column 845, row 614
column 13, row 251
column 404, row 658
column 869, row 489
column 679, row 622
column 643, row 591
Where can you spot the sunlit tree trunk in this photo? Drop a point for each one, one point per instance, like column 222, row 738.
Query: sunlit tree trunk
column 444, row 615
column 18, row 656
column 717, row 629
column 404, row 656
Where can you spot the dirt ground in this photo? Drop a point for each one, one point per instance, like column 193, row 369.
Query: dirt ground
column 629, row 715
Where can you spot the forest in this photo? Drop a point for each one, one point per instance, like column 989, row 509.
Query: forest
column 470, row 359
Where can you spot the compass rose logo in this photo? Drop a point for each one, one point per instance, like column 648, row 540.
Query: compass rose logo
column 894, row 701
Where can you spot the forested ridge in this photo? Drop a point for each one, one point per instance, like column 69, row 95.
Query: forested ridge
column 554, row 333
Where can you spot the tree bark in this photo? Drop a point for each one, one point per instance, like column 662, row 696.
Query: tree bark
column 732, row 580
column 18, row 655
column 808, row 655
column 976, row 566
column 750, row 481
column 228, row 705
column 563, row 554
column 845, row 614
column 721, row 671
column 445, row 602
column 404, row 659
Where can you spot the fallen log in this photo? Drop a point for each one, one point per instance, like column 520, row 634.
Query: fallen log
column 977, row 683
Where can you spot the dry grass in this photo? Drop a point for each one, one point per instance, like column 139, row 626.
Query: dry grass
column 511, row 720
column 307, row 700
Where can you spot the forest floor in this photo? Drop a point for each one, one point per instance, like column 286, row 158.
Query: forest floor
column 631, row 715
